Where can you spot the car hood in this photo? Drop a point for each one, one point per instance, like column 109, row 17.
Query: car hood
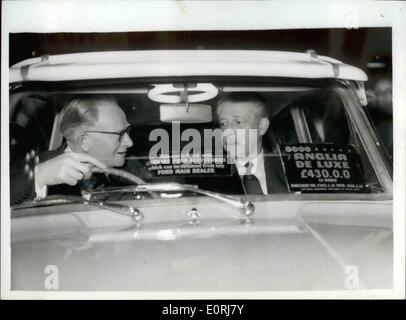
column 283, row 246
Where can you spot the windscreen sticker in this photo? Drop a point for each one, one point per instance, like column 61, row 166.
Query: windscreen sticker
column 188, row 165
column 322, row 168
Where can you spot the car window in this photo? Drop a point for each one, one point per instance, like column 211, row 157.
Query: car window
column 312, row 117
column 326, row 122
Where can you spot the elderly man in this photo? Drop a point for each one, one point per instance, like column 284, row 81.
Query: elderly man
column 96, row 132
column 243, row 118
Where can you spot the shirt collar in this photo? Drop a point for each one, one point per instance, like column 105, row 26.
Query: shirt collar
column 258, row 160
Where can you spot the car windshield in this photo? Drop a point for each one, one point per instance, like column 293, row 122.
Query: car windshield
column 310, row 141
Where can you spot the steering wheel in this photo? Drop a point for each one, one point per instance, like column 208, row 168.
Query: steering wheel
column 126, row 175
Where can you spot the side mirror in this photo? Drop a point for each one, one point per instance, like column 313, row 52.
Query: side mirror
column 193, row 113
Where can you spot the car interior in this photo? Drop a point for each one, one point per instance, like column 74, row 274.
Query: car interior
column 297, row 115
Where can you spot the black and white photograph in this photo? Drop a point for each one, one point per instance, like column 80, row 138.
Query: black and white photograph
column 163, row 158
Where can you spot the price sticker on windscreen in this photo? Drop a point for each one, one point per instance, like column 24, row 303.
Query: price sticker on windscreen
column 322, row 168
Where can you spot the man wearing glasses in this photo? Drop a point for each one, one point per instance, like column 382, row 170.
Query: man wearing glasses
column 97, row 136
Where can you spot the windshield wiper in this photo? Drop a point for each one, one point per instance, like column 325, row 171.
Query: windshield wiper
column 246, row 207
column 121, row 209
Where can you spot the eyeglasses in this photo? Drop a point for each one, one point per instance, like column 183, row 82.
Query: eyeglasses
column 121, row 134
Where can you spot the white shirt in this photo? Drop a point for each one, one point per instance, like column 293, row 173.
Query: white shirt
column 258, row 169
column 40, row 192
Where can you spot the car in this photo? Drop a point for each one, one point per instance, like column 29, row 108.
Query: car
column 182, row 225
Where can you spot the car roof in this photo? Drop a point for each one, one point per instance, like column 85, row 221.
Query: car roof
column 171, row 63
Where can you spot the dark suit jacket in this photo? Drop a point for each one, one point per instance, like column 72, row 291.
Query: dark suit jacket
column 275, row 176
column 22, row 180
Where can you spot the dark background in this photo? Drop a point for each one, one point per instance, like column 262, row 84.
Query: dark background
column 356, row 46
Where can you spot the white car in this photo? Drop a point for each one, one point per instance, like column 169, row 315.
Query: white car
column 191, row 229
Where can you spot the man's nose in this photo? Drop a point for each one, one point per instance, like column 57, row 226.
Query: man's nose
column 228, row 126
column 127, row 141
column 228, row 130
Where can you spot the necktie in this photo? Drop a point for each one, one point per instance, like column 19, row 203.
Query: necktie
column 251, row 182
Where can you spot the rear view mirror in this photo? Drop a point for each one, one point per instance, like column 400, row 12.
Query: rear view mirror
column 193, row 113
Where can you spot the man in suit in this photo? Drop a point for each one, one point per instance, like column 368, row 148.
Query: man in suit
column 243, row 119
column 97, row 136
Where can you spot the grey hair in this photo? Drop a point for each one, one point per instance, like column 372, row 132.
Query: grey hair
column 81, row 112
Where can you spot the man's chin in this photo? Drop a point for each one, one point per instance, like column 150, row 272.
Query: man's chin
column 119, row 162
column 235, row 152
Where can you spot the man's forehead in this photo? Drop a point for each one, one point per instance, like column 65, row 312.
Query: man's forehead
column 110, row 113
column 108, row 108
column 232, row 108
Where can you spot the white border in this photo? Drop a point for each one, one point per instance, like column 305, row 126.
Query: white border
column 110, row 16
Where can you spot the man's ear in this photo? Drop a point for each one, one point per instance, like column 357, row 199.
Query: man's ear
column 263, row 125
column 84, row 142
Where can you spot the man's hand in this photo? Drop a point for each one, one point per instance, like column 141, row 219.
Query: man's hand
column 67, row 168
